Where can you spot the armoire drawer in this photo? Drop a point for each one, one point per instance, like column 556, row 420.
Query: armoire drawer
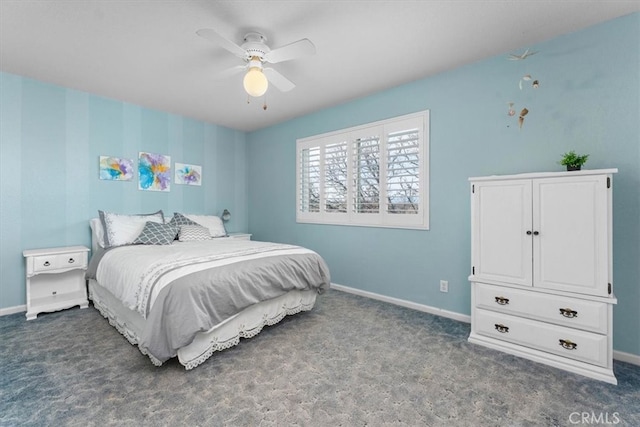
column 570, row 343
column 570, row 312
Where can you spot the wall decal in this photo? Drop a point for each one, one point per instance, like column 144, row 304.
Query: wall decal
column 154, row 172
column 523, row 113
column 116, row 168
column 525, row 55
column 535, row 84
column 188, row 174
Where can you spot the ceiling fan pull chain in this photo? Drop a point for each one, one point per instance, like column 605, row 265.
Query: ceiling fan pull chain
column 264, row 103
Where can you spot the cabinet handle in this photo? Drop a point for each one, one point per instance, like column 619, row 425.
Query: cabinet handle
column 528, row 232
column 501, row 328
column 567, row 312
column 71, row 260
column 535, row 233
column 568, row 345
column 502, row 300
column 46, row 264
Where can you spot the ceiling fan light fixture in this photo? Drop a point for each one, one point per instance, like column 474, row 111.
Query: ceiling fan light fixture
column 255, row 53
column 255, row 82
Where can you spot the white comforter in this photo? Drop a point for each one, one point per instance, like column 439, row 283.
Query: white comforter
column 137, row 274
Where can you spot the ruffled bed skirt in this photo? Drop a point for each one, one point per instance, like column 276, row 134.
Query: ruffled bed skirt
column 246, row 324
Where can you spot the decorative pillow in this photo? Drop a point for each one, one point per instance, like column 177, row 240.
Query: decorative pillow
column 212, row 222
column 123, row 229
column 190, row 233
column 179, row 220
column 155, row 233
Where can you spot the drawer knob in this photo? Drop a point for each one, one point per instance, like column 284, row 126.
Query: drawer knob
column 501, row 328
column 567, row 312
column 502, row 300
column 568, row 345
column 46, row 264
column 71, row 260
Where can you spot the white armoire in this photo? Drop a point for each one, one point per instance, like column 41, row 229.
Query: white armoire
column 541, row 268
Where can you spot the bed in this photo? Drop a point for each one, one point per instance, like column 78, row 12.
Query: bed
column 183, row 296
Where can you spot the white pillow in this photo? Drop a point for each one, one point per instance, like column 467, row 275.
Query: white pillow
column 212, row 222
column 123, row 229
column 97, row 231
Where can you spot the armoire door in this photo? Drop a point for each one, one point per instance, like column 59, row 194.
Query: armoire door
column 570, row 242
column 501, row 247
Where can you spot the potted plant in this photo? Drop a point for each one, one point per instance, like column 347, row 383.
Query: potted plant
column 573, row 161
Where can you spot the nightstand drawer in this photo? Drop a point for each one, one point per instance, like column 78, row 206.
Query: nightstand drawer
column 44, row 263
column 571, row 343
column 55, row 279
column 570, row 312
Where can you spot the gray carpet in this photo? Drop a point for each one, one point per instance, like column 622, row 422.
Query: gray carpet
column 351, row 361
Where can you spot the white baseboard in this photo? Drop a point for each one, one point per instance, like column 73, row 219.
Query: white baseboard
column 634, row 359
column 404, row 303
column 12, row 310
column 617, row 355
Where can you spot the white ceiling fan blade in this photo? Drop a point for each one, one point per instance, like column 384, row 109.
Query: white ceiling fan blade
column 216, row 38
column 293, row 50
column 278, row 80
column 220, row 75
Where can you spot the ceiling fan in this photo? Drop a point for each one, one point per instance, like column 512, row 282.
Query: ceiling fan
column 255, row 52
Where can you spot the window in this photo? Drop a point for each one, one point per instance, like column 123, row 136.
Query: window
column 372, row 175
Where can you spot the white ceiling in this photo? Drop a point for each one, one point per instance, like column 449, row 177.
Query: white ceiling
column 147, row 52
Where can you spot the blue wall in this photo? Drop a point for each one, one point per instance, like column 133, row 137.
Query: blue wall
column 50, row 142
column 588, row 100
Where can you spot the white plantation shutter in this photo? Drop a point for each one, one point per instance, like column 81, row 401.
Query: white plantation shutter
column 366, row 193
column 371, row 175
column 403, row 172
column 335, row 177
column 309, row 177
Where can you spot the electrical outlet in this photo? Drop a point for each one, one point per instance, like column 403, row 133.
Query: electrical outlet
column 444, row 286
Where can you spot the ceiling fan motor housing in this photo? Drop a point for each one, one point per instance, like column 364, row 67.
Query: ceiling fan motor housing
column 255, row 45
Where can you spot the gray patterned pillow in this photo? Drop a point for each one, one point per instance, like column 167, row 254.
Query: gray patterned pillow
column 179, row 220
column 189, row 233
column 155, row 233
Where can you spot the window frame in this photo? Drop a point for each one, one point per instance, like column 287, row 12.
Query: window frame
column 383, row 129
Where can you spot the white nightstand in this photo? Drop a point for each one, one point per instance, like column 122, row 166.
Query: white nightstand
column 240, row 236
column 55, row 279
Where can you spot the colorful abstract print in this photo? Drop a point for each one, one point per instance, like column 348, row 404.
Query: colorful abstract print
column 154, row 172
column 116, row 169
column 188, row 174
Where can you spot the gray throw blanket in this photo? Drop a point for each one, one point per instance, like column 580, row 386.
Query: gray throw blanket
column 191, row 304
